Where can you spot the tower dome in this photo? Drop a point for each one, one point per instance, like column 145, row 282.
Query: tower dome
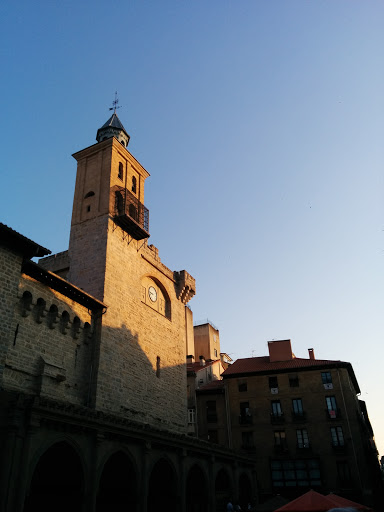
column 113, row 128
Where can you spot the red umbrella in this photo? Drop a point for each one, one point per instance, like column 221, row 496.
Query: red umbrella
column 311, row 501
column 343, row 502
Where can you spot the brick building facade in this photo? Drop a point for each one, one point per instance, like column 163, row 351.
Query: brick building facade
column 300, row 420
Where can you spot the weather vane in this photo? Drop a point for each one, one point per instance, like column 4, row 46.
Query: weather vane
column 115, row 103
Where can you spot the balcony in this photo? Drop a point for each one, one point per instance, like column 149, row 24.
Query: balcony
column 131, row 215
column 211, row 417
column 303, row 447
column 339, row 447
column 281, row 449
column 248, row 447
column 299, row 416
column 277, row 419
column 333, row 414
column 245, row 419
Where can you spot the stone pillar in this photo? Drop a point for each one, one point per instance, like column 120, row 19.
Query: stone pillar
column 11, row 459
column 92, row 484
column 212, row 495
column 182, row 485
column 25, row 462
column 143, row 485
column 235, row 481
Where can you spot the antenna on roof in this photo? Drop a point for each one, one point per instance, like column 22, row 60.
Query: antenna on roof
column 115, row 103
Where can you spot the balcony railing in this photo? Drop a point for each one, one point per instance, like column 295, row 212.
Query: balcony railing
column 277, row 419
column 339, row 446
column 333, row 413
column 248, row 447
column 245, row 419
column 211, row 417
column 299, row 416
column 280, row 449
column 130, row 214
column 303, row 446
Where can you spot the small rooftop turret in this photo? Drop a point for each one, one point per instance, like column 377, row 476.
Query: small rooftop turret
column 113, row 128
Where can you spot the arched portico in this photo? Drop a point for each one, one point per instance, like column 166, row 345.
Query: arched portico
column 117, row 487
column 162, row 488
column 223, row 489
column 196, row 491
column 57, row 482
column 245, row 491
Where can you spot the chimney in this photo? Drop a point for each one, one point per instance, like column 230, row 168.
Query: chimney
column 202, row 361
column 311, row 353
column 280, row 350
column 190, row 359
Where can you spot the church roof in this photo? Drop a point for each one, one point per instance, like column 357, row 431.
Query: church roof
column 28, row 248
column 113, row 122
column 113, row 128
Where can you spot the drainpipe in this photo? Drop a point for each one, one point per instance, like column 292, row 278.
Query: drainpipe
column 349, row 430
column 229, row 429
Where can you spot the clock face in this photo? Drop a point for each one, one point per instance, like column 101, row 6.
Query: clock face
column 152, row 294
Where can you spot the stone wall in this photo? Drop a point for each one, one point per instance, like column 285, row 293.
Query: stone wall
column 142, row 369
column 48, row 351
column 10, row 265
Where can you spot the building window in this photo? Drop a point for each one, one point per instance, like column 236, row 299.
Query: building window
column 276, row 410
column 158, row 366
column 247, row 440
column 331, row 406
column 134, row 183
column 212, row 436
column 211, row 411
column 344, row 473
column 337, row 436
column 280, row 439
column 273, row 385
column 120, row 173
column 191, row 416
column 293, row 381
column 242, row 385
column 302, row 438
column 296, row 473
column 326, row 379
column 119, row 203
column 215, row 352
column 245, row 414
column 297, row 408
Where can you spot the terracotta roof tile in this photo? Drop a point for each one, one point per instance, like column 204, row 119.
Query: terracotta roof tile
column 212, row 386
column 195, row 367
column 263, row 364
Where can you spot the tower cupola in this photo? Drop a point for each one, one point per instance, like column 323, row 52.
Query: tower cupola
column 113, row 128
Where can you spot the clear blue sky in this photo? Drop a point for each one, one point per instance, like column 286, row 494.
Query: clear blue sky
column 261, row 123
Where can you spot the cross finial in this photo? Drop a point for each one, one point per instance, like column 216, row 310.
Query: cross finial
column 115, row 103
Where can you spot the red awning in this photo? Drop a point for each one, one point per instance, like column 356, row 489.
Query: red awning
column 343, row 502
column 313, row 501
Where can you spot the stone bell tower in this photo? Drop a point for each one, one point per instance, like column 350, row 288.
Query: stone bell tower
column 142, row 352
column 141, row 367
column 109, row 186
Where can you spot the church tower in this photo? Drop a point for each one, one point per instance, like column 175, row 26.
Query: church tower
column 109, row 186
column 145, row 330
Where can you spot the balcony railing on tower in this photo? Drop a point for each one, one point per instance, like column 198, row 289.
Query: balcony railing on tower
column 130, row 214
